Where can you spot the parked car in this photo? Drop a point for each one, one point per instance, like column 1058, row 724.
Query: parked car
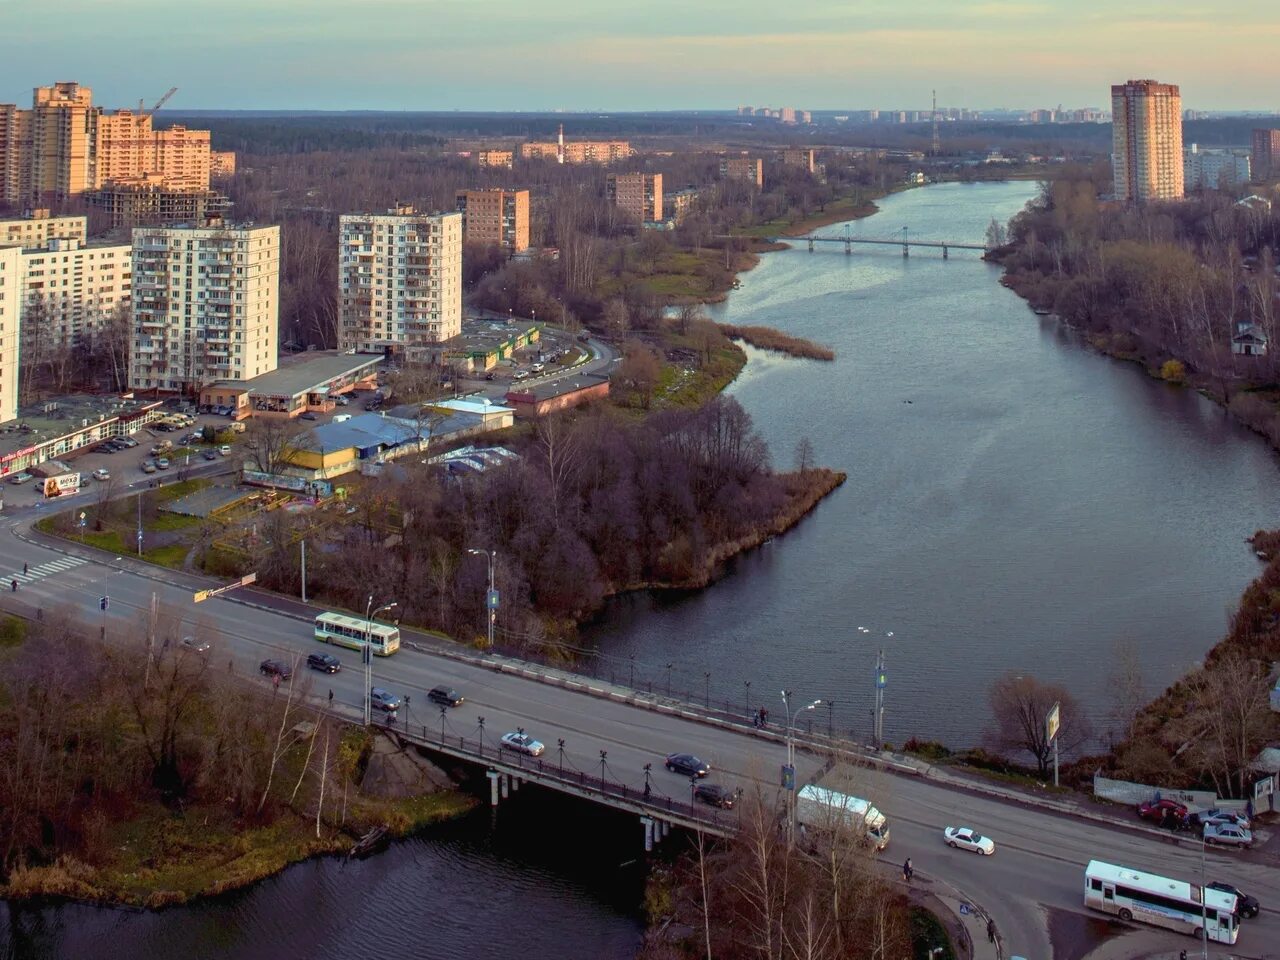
column 201, row 647
column 537, row 367
column 1202, row 817
column 127, row 442
column 20, row 478
column 225, row 450
column 489, row 376
column 687, row 764
column 210, row 454
column 715, row 795
column 102, row 473
column 522, row 743
column 162, row 463
column 309, row 416
column 324, row 662
column 383, row 699
column 1228, row 835
column 520, row 374
column 1162, row 809
column 445, row 696
column 108, row 447
column 148, row 466
column 275, row 668
column 341, row 401
column 965, row 838
column 1246, row 905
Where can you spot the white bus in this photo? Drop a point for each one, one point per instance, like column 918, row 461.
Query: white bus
column 354, row 632
column 1173, row 904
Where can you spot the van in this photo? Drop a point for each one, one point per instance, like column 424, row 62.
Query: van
column 341, row 418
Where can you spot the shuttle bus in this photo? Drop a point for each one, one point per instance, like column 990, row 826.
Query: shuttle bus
column 1173, row 904
column 354, row 632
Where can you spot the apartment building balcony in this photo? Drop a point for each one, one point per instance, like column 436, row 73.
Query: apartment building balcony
column 151, row 244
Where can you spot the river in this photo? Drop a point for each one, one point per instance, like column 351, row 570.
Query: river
column 1014, row 501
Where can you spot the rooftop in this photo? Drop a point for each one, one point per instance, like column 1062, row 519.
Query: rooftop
column 39, row 423
column 486, row 336
column 304, row 372
column 372, row 430
column 538, row 392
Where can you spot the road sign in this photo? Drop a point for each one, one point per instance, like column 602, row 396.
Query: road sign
column 492, row 600
column 1052, row 721
column 880, row 678
column 788, row 777
column 1264, row 786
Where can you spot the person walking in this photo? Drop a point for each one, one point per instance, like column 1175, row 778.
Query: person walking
column 907, row 870
column 24, row 569
column 647, row 791
column 14, row 585
column 991, row 930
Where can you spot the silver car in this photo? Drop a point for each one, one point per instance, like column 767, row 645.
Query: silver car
column 1222, row 816
column 1228, row 834
column 522, row 743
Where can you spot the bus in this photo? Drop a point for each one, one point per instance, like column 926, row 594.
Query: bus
column 1162, row 902
column 354, row 632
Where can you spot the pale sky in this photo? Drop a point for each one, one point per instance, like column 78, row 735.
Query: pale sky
column 639, row 54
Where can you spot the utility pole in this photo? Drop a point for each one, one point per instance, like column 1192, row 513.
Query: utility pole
column 304, row 570
column 879, row 716
column 139, row 524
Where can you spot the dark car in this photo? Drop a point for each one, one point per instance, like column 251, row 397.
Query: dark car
column 276, row 668
column 324, row 662
column 1246, row 905
column 1161, row 810
column 715, row 795
column 211, row 454
column 445, row 696
column 687, row 764
column 309, row 416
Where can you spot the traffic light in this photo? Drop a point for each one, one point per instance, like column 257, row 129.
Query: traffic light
column 104, row 602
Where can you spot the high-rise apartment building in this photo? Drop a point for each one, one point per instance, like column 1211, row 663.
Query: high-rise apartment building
column 638, row 195
column 206, row 305
column 787, row 115
column 70, row 289
column 399, row 280
column 1265, row 155
column 743, row 168
column 38, row 227
column 10, row 317
column 799, row 157
column 64, row 146
column 1146, row 123
column 495, row 216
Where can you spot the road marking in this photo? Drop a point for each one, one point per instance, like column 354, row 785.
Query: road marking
column 48, row 569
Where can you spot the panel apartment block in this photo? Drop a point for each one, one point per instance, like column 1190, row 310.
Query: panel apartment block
column 1265, row 155
column 70, row 289
column 802, row 158
column 399, row 280
column 638, row 195
column 578, row 151
column 1146, row 122
column 743, row 168
column 495, row 158
column 206, row 305
column 37, row 228
column 10, row 314
column 496, row 216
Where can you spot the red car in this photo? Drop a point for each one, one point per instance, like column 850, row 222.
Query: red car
column 1161, row 810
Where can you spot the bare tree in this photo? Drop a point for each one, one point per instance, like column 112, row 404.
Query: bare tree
column 270, row 442
column 1233, row 697
column 804, row 455
column 1020, row 706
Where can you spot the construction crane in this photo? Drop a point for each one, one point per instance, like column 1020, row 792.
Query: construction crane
column 159, row 103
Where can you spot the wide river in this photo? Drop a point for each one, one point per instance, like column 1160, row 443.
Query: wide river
column 1014, row 502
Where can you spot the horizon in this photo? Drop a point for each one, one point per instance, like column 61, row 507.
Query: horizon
column 439, row 56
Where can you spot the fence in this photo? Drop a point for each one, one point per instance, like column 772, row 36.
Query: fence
column 1125, row 791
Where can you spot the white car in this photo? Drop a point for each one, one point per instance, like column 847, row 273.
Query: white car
column 522, row 743
column 966, row 838
column 102, row 473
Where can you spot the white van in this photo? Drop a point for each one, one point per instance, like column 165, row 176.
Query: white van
column 341, row 418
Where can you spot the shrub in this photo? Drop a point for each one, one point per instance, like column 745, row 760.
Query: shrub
column 1173, row 371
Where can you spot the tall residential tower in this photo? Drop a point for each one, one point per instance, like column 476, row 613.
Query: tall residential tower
column 1146, row 124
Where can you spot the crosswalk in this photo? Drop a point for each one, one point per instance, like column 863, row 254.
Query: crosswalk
column 61, row 565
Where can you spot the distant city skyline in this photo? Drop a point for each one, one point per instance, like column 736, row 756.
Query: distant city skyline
column 661, row 55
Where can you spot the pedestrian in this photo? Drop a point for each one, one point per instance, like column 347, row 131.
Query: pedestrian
column 764, row 717
column 907, row 870
column 24, row 568
column 646, row 790
column 14, row 585
column 331, row 696
column 275, row 680
column 991, row 930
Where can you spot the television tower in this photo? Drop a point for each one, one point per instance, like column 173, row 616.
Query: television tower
column 935, row 147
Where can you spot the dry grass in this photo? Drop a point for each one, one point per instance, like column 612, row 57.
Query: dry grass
column 767, row 338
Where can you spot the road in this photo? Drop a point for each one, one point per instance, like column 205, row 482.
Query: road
column 1034, row 878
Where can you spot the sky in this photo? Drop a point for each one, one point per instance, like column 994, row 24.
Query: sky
column 515, row 55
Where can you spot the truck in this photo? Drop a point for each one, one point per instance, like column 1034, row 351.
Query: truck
column 820, row 810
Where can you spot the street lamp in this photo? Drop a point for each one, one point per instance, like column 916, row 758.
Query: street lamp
column 369, row 614
column 1204, row 916
column 491, row 598
column 791, row 760
column 104, row 601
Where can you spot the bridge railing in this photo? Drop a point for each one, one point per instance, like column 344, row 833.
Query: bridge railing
column 561, row 772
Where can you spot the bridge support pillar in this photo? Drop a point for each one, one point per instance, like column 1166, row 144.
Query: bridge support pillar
column 505, row 783
column 944, row 251
column 648, row 824
column 494, row 777
column 848, row 248
column 811, row 244
column 515, row 784
column 906, row 251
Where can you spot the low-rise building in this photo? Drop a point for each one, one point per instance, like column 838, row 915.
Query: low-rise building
column 305, row 383
column 59, row 428
column 495, row 216
column 679, row 203
column 747, row 169
column 483, row 344
column 540, row 399
column 638, row 195
column 37, row 227
column 70, row 290
column 1250, row 340
column 1214, row 169
column 504, row 159
column 578, row 151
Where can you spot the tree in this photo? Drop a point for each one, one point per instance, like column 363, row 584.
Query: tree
column 804, row 455
column 1020, row 705
column 640, row 371
column 270, row 442
column 1233, row 698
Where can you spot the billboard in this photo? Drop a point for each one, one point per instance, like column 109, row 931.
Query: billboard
column 64, row 484
column 1052, row 721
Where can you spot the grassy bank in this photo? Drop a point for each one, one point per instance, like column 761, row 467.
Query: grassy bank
column 767, row 338
column 837, row 211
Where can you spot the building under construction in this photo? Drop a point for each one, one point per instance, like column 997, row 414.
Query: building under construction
column 148, row 201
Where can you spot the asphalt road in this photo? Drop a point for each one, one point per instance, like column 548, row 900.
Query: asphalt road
column 1035, row 875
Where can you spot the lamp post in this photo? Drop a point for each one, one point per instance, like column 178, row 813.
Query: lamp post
column 789, row 776
column 367, row 653
column 1204, row 918
column 491, row 598
column 104, row 601
column 747, row 684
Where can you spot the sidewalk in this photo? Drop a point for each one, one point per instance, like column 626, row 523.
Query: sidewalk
column 965, row 921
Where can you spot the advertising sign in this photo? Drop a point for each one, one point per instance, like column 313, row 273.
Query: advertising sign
column 1052, row 721
column 58, row 486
